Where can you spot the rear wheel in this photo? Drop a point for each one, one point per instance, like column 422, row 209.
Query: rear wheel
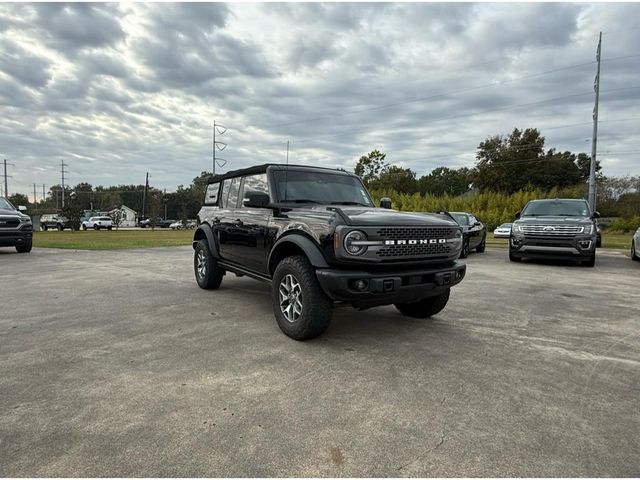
column 84, row 227
column 301, row 308
column 480, row 248
column 60, row 227
column 424, row 308
column 634, row 255
column 208, row 272
column 25, row 247
column 44, row 227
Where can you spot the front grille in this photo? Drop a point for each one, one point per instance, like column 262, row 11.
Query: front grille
column 406, row 233
column 9, row 222
column 413, row 242
column 414, row 250
column 557, row 230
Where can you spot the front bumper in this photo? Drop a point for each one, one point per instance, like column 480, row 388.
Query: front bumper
column 556, row 247
column 389, row 287
column 11, row 238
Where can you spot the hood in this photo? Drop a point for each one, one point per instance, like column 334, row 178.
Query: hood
column 10, row 213
column 382, row 216
column 558, row 220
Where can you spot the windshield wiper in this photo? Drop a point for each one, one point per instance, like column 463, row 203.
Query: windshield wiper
column 300, row 200
column 350, row 203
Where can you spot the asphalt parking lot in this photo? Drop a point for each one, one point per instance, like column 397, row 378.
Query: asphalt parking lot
column 117, row 364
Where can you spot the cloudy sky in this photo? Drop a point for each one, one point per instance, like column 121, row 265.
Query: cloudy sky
column 116, row 90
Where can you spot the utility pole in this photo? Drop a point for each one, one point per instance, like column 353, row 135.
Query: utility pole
column 6, row 188
column 594, row 141
column 164, row 199
column 219, row 145
column 144, row 197
column 62, row 171
column 35, row 199
column 44, row 198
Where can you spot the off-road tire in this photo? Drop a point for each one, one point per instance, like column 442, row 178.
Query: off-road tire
column 483, row 245
column 25, row 247
column 464, row 253
column 426, row 307
column 591, row 262
column 634, row 257
column 317, row 308
column 513, row 257
column 210, row 276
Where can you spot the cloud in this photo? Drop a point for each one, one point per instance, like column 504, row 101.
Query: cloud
column 120, row 89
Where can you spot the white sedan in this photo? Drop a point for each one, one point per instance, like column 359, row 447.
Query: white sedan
column 635, row 246
column 98, row 223
column 503, row 231
column 176, row 225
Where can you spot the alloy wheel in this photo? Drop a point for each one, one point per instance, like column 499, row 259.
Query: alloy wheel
column 290, row 298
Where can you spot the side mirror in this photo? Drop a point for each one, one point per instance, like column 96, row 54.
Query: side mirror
column 596, row 214
column 385, row 202
column 477, row 224
column 517, row 215
column 22, row 208
column 255, row 200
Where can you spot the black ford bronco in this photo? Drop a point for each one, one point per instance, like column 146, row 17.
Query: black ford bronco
column 550, row 229
column 16, row 229
column 316, row 236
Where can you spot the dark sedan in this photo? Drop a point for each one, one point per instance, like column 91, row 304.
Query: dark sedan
column 474, row 232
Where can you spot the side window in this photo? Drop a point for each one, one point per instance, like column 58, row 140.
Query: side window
column 225, row 193
column 211, row 197
column 232, row 200
column 254, row 183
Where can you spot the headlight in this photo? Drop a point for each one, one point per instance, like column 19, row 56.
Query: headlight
column 588, row 230
column 517, row 228
column 352, row 242
column 25, row 219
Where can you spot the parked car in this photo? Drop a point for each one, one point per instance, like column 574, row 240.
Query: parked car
column 473, row 230
column 555, row 228
column 166, row 223
column 191, row 224
column 315, row 235
column 53, row 220
column 16, row 229
column 177, row 225
column 98, row 223
column 635, row 246
column 503, row 231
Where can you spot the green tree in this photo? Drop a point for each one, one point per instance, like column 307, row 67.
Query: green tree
column 369, row 167
column 396, row 178
column 72, row 211
column 443, row 180
column 19, row 199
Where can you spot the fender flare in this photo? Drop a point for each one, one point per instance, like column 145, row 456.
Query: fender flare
column 309, row 248
column 211, row 241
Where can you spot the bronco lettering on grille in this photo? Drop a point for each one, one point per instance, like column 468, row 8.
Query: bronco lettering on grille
column 422, row 241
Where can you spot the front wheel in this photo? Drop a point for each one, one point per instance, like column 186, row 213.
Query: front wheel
column 424, row 308
column 483, row 245
column 60, row 227
column 464, row 253
column 44, row 227
column 301, row 308
column 634, row 256
column 96, row 227
column 109, row 228
column 591, row 262
column 25, row 247
column 84, row 227
column 208, row 272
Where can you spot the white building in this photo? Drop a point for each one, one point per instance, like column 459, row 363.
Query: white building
column 129, row 217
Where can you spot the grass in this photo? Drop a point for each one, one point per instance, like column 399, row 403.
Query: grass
column 124, row 239
column 609, row 240
column 112, row 240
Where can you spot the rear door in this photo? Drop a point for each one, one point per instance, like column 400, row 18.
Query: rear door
column 226, row 225
column 250, row 226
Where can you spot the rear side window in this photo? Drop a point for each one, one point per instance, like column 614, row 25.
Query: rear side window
column 211, row 196
column 225, row 193
column 254, row 183
column 232, row 201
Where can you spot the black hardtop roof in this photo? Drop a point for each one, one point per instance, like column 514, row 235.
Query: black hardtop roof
column 256, row 169
column 559, row 200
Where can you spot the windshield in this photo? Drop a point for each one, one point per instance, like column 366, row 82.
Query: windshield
column 6, row 205
column 571, row 208
column 319, row 187
column 505, row 225
column 461, row 218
